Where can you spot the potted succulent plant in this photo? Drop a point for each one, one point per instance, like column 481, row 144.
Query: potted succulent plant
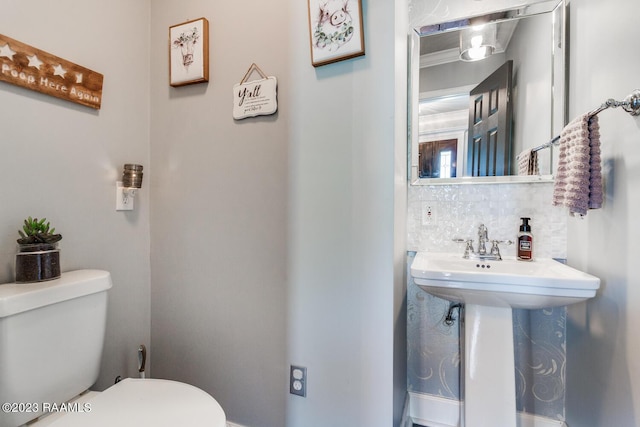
column 39, row 257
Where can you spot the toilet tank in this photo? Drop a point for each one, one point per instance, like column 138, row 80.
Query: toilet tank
column 51, row 339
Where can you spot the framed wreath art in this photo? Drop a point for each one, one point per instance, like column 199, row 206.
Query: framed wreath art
column 335, row 30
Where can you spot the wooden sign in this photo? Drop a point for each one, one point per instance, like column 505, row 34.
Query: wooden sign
column 255, row 98
column 31, row 68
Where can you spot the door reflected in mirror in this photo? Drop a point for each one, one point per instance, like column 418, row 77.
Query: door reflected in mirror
column 490, row 120
column 438, row 159
column 529, row 110
column 439, row 154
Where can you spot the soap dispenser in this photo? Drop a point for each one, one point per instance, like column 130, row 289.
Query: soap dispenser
column 525, row 241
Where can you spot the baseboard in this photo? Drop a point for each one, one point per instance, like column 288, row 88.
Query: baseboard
column 406, row 420
column 529, row 420
column 434, row 411
column 230, row 424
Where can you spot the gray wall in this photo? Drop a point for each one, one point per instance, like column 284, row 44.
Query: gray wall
column 603, row 366
column 458, row 74
column 219, row 214
column 339, row 314
column 272, row 238
column 602, row 345
column 61, row 160
column 530, row 49
column 342, row 226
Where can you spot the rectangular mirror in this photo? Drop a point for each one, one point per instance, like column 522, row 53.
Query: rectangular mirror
column 471, row 118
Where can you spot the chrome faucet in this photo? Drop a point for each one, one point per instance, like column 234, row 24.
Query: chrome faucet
column 483, row 239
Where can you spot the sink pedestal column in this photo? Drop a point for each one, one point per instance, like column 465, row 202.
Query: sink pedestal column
column 489, row 374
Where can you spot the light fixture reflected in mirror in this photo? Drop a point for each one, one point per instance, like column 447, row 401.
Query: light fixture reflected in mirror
column 477, row 42
column 533, row 35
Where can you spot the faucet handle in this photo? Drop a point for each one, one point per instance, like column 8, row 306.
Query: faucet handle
column 506, row 242
column 495, row 249
column 468, row 248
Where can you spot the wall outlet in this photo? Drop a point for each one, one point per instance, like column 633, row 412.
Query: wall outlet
column 428, row 214
column 124, row 198
column 298, row 381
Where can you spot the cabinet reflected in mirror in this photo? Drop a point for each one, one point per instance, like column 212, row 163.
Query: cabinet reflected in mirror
column 441, row 88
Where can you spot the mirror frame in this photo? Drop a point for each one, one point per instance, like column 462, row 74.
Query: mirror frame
column 559, row 83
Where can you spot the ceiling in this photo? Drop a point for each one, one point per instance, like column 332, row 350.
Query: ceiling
column 444, row 46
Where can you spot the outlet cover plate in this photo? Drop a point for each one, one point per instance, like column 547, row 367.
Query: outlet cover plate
column 298, row 381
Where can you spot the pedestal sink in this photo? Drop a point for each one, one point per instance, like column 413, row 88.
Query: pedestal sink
column 490, row 290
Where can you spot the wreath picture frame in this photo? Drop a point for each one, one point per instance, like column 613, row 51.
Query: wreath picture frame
column 335, row 30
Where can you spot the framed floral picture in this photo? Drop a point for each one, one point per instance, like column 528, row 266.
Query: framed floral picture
column 335, row 30
column 189, row 53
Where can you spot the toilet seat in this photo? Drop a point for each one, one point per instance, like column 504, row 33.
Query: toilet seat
column 137, row 402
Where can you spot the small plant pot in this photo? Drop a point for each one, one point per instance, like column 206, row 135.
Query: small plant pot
column 37, row 262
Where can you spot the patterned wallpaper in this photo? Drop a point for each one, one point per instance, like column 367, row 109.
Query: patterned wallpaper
column 436, row 214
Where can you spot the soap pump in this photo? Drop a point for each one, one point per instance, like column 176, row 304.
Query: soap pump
column 525, row 241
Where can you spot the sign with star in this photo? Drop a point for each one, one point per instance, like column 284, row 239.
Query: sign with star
column 31, row 68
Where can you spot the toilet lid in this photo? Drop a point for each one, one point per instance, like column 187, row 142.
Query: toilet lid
column 147, row 402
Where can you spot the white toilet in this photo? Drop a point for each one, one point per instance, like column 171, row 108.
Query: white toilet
column 51, row 339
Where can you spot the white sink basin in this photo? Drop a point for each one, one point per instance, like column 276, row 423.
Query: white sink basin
column 535, row 284
column 490, row 290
